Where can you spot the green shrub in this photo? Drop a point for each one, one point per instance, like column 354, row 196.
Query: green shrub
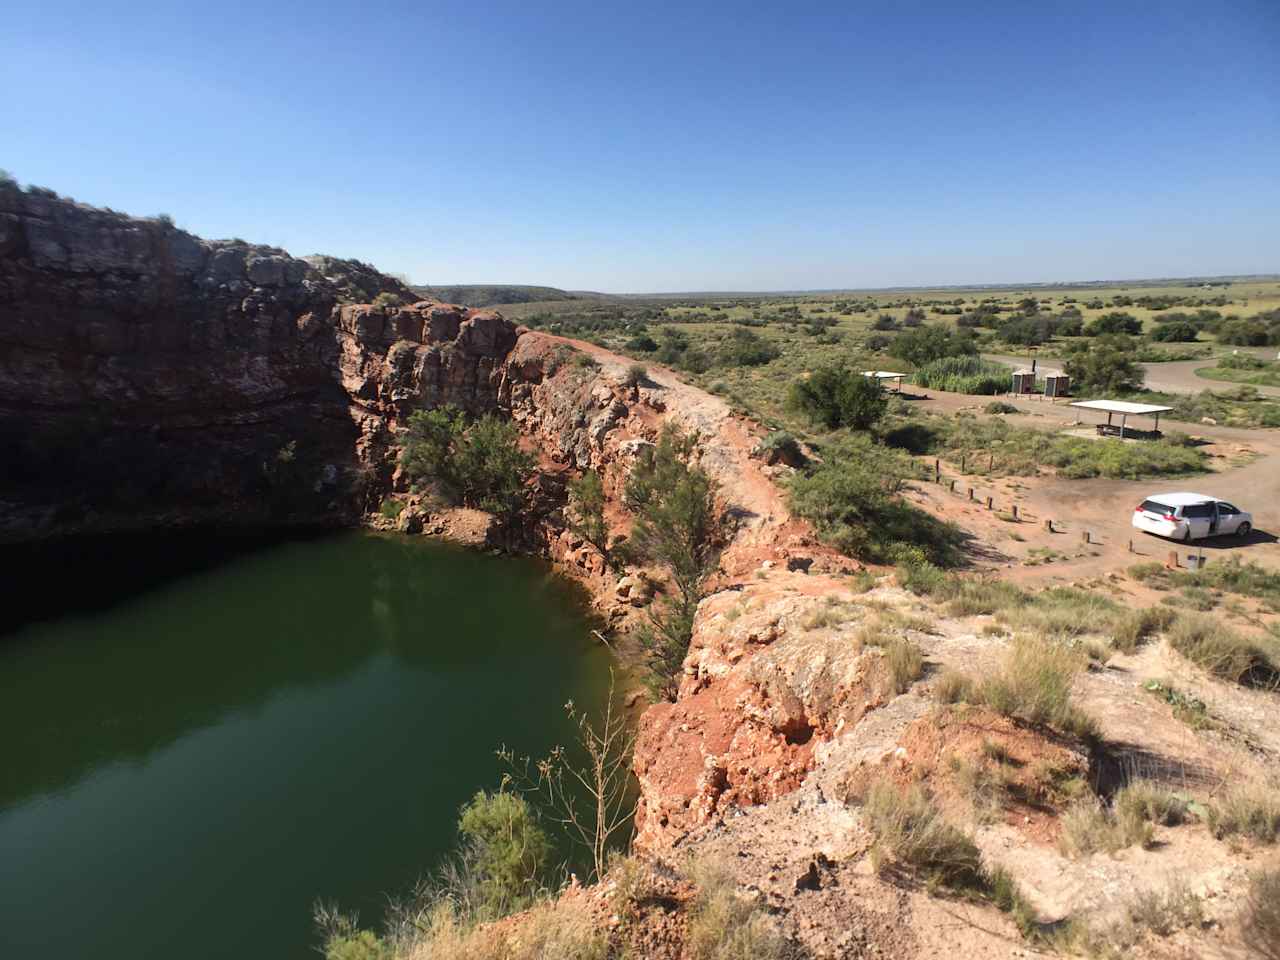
column 743, row 348
column 509, row 849
column 1114, row 322
column 676, row 526
column 585, row 515
column 1063, row 613
column 637, row 375
column 852, row 500
column 838, row 397
column 929, row 343
column 999, row 406
column 391, row 508
column 1106, row 364
column 478, row 464
column 388, row 300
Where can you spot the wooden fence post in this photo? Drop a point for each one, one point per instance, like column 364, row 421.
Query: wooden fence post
column 988, row 503
column 1048, row 525
column 1015, row 511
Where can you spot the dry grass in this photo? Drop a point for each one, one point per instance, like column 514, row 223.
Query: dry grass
column 1224, row 653
column 1251, row 810
column 1034, row 685
column 561, row 929
column 903, row 658
column 725, row 925
column 1150, row 912
column 1138, row 626
column 1089, row 826
column 1262, row 915
column 1063, row 612
column 912, row 832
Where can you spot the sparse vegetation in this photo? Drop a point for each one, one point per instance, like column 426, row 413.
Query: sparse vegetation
column 1224, row 653
column 851, row 497
column 1250, row 811
column 1262, row 915
column 724, row 925
column 964, row 375
column 586, row 511
column 1033, row 684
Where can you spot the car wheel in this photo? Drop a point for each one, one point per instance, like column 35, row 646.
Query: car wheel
column 1243, row 529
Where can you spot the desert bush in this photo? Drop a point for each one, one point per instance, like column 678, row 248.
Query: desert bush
column 586, row 511
column 1147, row 801
column 973, row 597
column 1262, row 915
column 478, row 464
column 342, row 939
column 838, row 397
column 999, row 406
column 676, row 526
column 933, row 342
column 1251, row 810
column 508, row 852
column 852, row 500
column 388, row 300
column 743, row 348
column 1114, row 322
column 1175, row 333
column 967, row 374
column 1106, row 364
column 637, row 375
column 391, row 508
column 1078, row 458
column 1224, row 653
column 955, row 687
column 724, row 925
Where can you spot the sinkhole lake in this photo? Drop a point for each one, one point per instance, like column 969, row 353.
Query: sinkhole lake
column 201, row 737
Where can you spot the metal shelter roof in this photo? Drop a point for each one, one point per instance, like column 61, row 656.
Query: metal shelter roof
column 1120, row 406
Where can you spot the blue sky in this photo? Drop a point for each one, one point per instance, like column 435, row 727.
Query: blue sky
column 689, row 146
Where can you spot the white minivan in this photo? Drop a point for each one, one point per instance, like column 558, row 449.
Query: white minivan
column 1190, row 516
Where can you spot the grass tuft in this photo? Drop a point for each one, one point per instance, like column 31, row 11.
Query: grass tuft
column 1224, row 653
column 1262, row 915
column 1251, row 810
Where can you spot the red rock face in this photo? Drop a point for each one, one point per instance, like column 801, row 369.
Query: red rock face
column 149, row 377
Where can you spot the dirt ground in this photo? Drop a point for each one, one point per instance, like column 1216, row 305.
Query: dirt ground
column 1246, row 465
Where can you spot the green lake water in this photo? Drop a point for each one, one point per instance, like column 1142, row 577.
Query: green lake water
column 211, row 737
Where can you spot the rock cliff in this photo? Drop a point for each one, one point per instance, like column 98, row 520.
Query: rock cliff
column 150, row 377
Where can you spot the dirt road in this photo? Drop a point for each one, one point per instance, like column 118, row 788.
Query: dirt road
column 1178, row 376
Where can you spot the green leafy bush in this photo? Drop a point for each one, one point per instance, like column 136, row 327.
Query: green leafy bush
column 478, row 464
column 838, row 397
column 508, row 849
column 933, row 342
column 1106, row 364
column 852, row 500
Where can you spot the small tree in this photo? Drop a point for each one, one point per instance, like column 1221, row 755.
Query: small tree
column 586, row 511
column 508, row 850
column 932, row 342
column 674, row 504
column 838, row 397
column 1106, row 365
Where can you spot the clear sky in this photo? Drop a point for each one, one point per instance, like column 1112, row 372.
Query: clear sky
column 684, row 146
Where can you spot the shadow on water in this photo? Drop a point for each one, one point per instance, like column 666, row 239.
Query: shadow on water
column 217, row 733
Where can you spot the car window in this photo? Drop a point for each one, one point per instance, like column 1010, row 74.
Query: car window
column 1227, row 508
column 1198, row 510
column 1154, row 506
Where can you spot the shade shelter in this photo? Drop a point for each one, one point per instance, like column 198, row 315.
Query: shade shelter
column 1126, row 410
column 884, row 376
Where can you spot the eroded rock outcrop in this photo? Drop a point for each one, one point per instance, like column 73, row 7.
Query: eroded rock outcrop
column 151, row 377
